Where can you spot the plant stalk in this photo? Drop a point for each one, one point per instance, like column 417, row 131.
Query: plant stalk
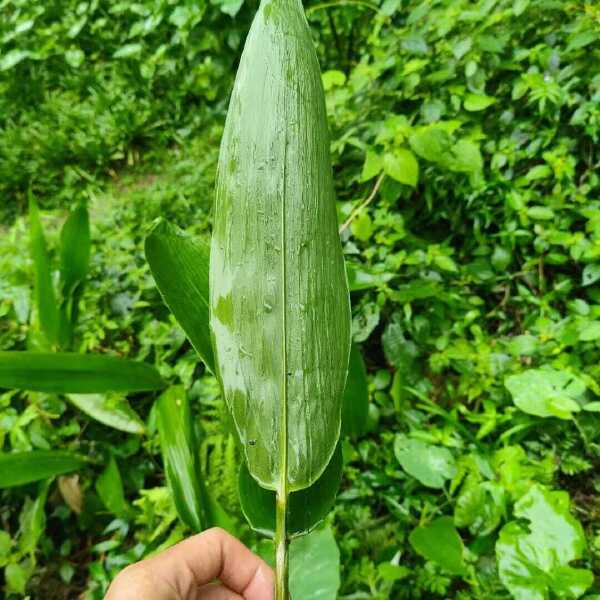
column 281, row 547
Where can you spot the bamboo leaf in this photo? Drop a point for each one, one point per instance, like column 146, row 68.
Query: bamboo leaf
column 355, row 407
column 179, row 265
column 72, row 373
column 74, row 249
column 74, row 266
column 194, row 505
column 111, row 409
column 280, row 313
column 19, row 468
column 47, row 307
column 306, row 507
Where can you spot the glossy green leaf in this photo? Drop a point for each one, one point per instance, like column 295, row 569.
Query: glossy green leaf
column 194, row 505
column 431, row 465
column 47, row 307
column 280, row 312
column 19, row 468
column 109, row 487
column 111, row 409
column 69, row 372
column 355, row 406
column 305, row 508
column 179, row 265
column 315, row 566
column 440, row 543
column 74, row 249
column 74, row 265
column 546, row 392
column 533, row 559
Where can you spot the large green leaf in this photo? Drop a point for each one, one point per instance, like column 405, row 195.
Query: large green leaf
column 305, row 508
column 45, row 297
column 546, row 392
column 19, row 468
column 195, row 507
column 355, row 407
column 179, row 265
column 111, row 409
column 280, row 312
column 69, row 372
column 534, row 559
column 439, row 542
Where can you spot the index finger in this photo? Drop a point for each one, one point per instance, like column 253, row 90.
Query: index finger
column 214, row 554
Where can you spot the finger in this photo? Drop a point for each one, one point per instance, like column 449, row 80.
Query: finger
column 211, row 555
column 214, row 591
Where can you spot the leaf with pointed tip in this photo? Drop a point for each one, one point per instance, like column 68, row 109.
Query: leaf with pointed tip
column 305, row 508
column 111, row 409
column 279, row 302
column 355, row 407
column 74, row 265
column 194, row 505
column 74, row 249
column 72, row 373
column 47, row 307
column 179, row 265
column 19, row 468
column 109, row 486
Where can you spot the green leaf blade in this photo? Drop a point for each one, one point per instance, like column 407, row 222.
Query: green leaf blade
column 280, row 312
column 72, row 373
column 45, row 297
column 179, row 265
column 306, row 508
column 20, row 468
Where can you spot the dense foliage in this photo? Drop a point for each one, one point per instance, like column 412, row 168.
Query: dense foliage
column 471, row 129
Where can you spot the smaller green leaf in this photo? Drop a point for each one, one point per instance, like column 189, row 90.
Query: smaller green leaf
column 546, row 392
column 195, row 507
column 32, row 520
column 128, row 50
column 305, row 507
column 431, row 465
column 373, row 165
column 440, row 543
column 47, row 307
column 19, row 468
column 179, row 265
column 74, row 249
column 355, row 404
column 111, row 409
column 431, row 143
column 477, row 102
column 315, row 566
column 591, row 274
column 69, row 372
column 401, row 165
column 109, row 487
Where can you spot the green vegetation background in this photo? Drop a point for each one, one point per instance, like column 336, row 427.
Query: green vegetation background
column 474, row 128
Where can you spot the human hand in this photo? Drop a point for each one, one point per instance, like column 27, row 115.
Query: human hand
column 187, row 571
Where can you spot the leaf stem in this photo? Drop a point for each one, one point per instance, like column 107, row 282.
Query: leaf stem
column 281, row 548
